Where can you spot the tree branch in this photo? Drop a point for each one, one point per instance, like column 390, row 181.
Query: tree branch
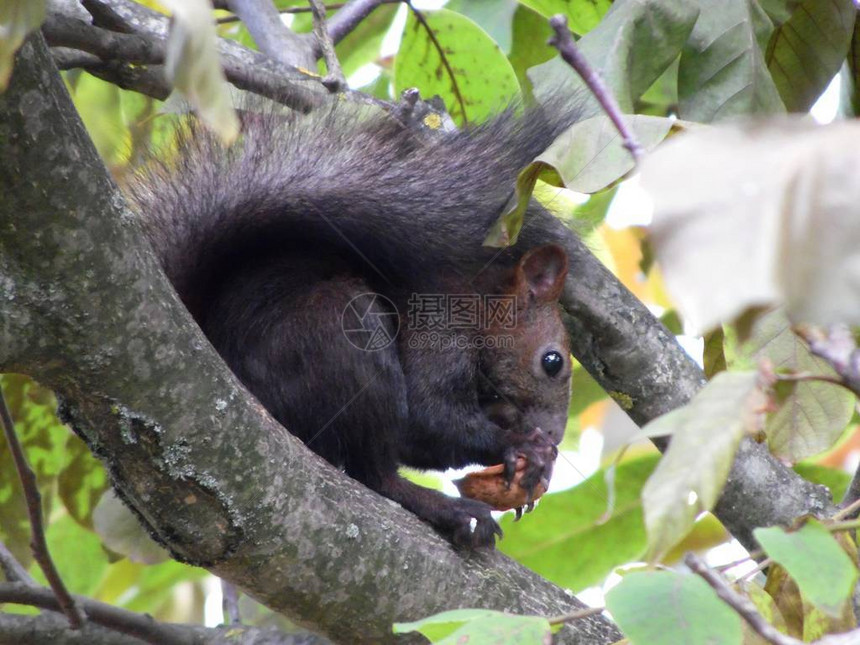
column 739, row 603
column 33, row 498
column 108, row 623
column 563, row 42
column 349, row 16
column 334, row 79
column 12, row 569
column 272, row 36
column 210, row 474
column 641, row 365
column 246, row 69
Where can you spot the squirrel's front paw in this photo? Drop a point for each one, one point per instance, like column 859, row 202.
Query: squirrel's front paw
column 540, row 452
column 473, row 524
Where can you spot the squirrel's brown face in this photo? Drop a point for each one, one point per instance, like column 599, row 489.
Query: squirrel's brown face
column 524, row 379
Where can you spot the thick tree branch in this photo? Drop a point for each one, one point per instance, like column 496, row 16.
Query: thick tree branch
column 641, row 365
column 113, row 625
column 272, row 36
column 202, row 464
column 348, row 17
column 246, row 69
column 149, row 80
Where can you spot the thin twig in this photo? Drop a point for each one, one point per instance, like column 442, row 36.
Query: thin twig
column 836, row 345
column 141, row 626
column 334, row 79
column 226, row 20
column 454, row 85
column 575, row 615
column 753, row 555
column 12, row 569
column 761, row 566
column 809, row 377
column 851, row 509
column 230, row 603
column 563, row 41
column 850, row 525
column 38, row 545
column 739, row 603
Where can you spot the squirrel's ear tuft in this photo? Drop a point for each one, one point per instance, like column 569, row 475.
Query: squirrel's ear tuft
column 541, row 272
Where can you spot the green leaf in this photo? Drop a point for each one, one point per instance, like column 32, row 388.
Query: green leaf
column 849, row 99
column 494, row 16
column 835, row 479
column 823, row 571
column 590, row 155
column 193, row 67
column 667, row 608
column 17, row 19
column 591, row 214
column 807, row 50
column 81, row 483
column 529, row 46
column 630, row 48
column 474, row 78
column 479, row 627
column 689, row 479
column 584, row 391
column 766, row 606
column 43, row 439
column 78, row 555
column 156, row 585
column 98, row 104
column 723, row 73
column 582, row 15
column 564, row 542
column 810, row 416
column 714, row 357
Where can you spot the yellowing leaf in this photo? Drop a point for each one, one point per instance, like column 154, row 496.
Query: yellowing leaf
column 759, row 214
column 192, row 65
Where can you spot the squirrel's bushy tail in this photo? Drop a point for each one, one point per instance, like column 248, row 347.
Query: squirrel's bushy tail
column 334, row 179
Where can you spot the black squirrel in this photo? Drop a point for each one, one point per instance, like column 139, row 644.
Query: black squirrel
column 275, row 242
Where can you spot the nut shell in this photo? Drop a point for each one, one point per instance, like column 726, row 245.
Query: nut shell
column 489, row 486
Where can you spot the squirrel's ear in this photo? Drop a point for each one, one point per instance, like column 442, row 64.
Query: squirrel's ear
column 541, row 273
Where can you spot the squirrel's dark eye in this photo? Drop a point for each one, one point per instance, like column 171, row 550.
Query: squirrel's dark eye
column 552, row 363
